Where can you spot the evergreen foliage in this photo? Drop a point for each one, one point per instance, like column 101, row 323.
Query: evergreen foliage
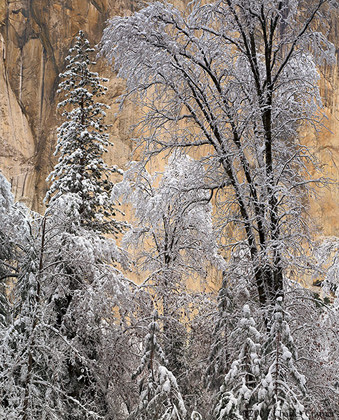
column 82, row 142
column 219, row 357
column 278, row 395
column 160, row 397
column 236, row 291
column 80, row 210
column 236, row 394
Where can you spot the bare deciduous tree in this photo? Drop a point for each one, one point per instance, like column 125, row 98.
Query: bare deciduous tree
column 237, row 81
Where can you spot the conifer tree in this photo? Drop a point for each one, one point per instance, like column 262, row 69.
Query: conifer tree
column 235, row 291
column 27, row 354
column 160, row 397
column 79, row 212
column 280, row 391
column 82, row 141
column 235, row 399
column 219, row 356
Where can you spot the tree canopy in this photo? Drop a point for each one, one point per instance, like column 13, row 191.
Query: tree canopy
column 241, row 78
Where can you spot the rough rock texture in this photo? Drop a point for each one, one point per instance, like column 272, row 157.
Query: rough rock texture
column 326, row 207
column 35, row 36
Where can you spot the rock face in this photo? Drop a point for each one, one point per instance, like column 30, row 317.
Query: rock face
column 35, row 36
column 326, row 206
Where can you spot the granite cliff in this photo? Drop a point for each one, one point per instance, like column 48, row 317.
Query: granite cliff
column 35, row 36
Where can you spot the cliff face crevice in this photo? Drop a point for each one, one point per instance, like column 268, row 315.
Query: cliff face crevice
column 35, row 36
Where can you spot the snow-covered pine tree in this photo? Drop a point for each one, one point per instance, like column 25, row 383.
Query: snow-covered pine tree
column 235, row 292
column 79, row 212
column 219, row 356
column 281, row 390
column 26, row 351
column 160, row 397
column 82, row 286
column 82, row 141
column 235, row 399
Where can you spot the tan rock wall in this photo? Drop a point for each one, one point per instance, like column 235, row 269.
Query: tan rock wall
column 35, row 36
column 326, row 207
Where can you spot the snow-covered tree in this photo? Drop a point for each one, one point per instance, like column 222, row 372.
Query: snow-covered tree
column 219, row 359
column 236, row 394
column 26, row 350
column 280, row 392
column 88, row 300
column 160, row 397
column 236, row 80
column 173, row 226
column 84, row 285
column 314, row 325
column 172, row 240
column 235, row 291
column 24, row 354
column 82, row 142
column 65, row 355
